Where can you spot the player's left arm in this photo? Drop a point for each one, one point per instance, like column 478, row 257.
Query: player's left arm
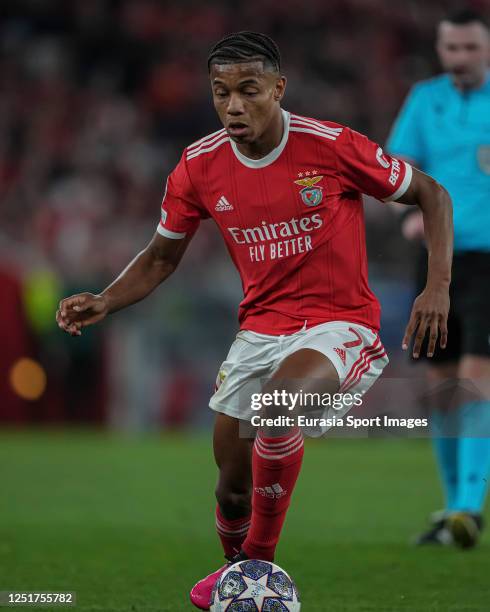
column 431, row 308
column 365, row 168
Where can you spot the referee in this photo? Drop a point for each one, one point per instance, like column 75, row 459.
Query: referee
column 444, row 129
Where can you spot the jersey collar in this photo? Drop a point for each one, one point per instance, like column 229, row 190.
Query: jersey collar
column 270, row 157
column 483, row 86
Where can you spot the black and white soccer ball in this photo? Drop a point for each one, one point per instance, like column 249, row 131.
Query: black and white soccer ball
column 255, row 586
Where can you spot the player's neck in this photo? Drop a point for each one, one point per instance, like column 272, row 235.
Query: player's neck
column 269, row 140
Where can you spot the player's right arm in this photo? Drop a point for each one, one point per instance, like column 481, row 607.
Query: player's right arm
column 148, row 269
column 180, row 217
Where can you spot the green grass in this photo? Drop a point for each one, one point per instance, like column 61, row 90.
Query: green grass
column 128, row 524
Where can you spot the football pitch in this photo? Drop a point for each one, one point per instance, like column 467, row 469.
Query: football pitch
column 127, row 523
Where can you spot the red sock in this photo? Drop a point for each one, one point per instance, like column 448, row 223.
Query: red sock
column 276, row 463
column 231, row 533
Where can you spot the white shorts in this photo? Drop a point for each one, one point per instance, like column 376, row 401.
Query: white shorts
column 355, row 351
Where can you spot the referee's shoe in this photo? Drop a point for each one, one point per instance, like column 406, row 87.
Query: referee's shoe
column 465, row 528
column 462, row 529
column 438, row 533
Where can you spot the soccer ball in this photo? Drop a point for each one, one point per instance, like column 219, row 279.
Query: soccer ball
column 255, row 586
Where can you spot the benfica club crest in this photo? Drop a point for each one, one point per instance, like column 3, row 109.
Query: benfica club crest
column 311, row 195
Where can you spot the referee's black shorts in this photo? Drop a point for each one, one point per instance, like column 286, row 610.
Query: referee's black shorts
column 469, row 316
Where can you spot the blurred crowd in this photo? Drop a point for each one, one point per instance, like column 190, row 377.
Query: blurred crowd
column 98, row 98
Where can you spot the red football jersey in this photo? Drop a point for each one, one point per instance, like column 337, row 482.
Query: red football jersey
column 293, row 221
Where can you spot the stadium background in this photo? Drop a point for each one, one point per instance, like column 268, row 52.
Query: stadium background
column 98, row 98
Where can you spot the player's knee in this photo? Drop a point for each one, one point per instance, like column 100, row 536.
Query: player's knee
column 233, row 503
column 276, row 392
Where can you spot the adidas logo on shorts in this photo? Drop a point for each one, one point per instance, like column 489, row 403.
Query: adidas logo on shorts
column 341, row 353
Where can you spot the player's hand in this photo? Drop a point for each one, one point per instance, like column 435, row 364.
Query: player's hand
column 79, row 311
column 413, row 226
column 430, row 311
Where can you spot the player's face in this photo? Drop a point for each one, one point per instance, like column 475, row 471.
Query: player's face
column 464, row 51
column 246, row 98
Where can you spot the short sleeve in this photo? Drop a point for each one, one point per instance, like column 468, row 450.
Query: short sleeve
column 180, row 210
column 406, row 136
column 365, row 168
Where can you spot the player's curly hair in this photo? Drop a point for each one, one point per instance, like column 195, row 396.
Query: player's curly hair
column 246, row 47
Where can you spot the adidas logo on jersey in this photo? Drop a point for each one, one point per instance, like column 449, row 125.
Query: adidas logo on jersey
column 274, row 492
column 223, row 205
